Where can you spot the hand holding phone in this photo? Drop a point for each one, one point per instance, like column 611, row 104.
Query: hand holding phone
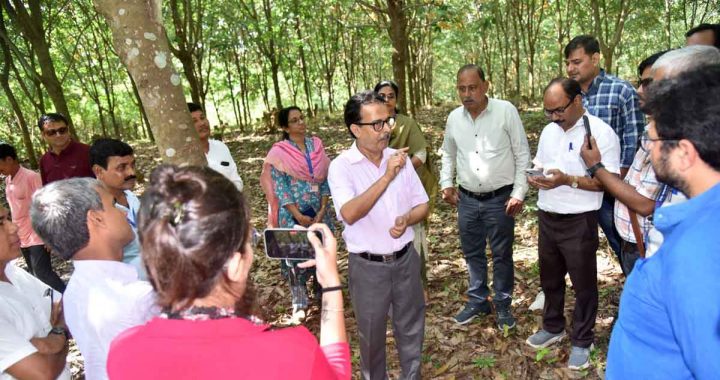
column 289, row 243
column 325, row 255
column 536, row 172
column 588, row 133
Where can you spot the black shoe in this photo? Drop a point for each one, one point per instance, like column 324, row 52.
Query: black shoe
column 504, row 315
column 471, row 311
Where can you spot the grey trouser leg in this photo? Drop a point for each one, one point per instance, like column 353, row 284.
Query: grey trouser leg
column 374, row 286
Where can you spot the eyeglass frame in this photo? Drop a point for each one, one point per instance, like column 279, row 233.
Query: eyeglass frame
column 645, row 139
column 56, row 132
column 379, row 122
column 557, row 111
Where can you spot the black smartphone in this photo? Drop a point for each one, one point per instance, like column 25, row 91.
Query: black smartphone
column 586, row 123
column 289, row 244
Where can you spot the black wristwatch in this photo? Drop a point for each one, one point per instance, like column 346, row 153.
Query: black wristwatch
column 593, row 169
column 59, row 331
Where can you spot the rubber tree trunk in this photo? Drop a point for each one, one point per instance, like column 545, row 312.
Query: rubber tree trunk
column 141, row 42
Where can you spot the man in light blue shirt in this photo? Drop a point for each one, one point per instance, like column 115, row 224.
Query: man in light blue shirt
column 113, row 163
column 669, row 325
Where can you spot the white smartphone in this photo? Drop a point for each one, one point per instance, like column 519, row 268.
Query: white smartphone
column 534, row 172
column 289, row 244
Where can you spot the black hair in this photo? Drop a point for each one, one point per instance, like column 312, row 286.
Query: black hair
column 570, row 86
column 648, row 62
column 51, row 117
column 354, row 105
column 192, row 220
column 386, row 83
column 104, row 148
column 703, row 27
column 192, row 107
column 284, row 119
column 473, row 67
column 7, row 150
column 686, row 107
column 589, row 43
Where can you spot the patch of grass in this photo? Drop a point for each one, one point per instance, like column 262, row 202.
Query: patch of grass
column 541, row 353
column 485, row 362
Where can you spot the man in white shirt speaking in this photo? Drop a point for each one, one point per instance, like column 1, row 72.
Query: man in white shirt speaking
column 78, row 220
column 486, row 143
column 568, row 202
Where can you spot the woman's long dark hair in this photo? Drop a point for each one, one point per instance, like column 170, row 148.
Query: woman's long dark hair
column 192, row 220
column 388, row 83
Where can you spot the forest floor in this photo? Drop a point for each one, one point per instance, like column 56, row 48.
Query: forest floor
column 477, row 350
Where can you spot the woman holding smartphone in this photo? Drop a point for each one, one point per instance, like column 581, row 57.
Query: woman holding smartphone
column 294, row 180
column 195, row 232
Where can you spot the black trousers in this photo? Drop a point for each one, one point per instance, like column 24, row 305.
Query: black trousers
column 38, row 261
column 568, row 244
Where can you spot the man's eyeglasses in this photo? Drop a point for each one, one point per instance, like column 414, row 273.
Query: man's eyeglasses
column 58, row 131
column 378, row 125
column 557, row 111
column 646, row 140
column 644, row 82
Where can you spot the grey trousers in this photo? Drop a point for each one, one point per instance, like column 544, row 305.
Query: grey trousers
column 374, row 287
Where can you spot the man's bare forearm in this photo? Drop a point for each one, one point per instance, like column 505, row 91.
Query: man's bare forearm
column 625, row 193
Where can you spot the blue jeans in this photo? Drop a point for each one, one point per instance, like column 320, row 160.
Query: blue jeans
column 606, row 219
column 481, row 221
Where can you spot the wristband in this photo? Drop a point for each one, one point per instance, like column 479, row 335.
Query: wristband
column 331, row 289
column 59, row 331
column 593, row 169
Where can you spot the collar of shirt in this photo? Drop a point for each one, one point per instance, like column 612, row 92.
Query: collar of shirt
column 105, row 269
column 667, row 217
column 355, row 155
column 70, row 149
column 488, row 109
column 595, row 83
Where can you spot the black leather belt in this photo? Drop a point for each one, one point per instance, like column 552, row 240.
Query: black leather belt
column 386, row 258
column 488, row 195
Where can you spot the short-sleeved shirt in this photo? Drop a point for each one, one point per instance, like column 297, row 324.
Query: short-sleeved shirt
column 560, row 149
column 350, row 175
column 220, row 160
column 73, row 161
column 616, row 102
column 24, row 314
column 18, row 191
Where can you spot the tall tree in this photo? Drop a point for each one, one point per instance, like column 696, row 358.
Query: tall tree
column 187, row 20
column 140, row 40
column 609, row 18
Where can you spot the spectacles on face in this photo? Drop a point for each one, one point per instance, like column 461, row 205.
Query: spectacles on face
column 378, row 125
column 648, row 141
column 387, row 97
column 58, row 131
column 644, row 82
column 296, row 120
column 557, row 111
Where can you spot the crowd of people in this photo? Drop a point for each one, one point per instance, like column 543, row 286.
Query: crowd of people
column 171, row 269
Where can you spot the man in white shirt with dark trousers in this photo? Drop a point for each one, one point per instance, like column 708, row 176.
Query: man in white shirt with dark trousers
column 568, row 202
column 486, row 143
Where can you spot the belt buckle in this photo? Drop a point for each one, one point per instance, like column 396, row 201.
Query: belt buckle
column 388, row 258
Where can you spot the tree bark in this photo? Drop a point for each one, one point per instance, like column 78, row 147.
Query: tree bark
column 399, row 39
column 140, row 40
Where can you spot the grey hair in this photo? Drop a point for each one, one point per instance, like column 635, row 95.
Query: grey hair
column 59, row 214
column 685, row 59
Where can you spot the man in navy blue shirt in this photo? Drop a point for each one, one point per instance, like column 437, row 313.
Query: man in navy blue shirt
column 669, row 323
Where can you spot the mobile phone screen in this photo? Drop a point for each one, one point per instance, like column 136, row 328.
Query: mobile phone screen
column 534, row 172
column 289, row 244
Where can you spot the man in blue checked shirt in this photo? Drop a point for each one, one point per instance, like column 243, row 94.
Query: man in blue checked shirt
column 613, row 100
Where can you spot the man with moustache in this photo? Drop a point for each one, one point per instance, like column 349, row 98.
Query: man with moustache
column 669, row 309
column 378, row 195
column 568, row 200
column 216, row 152
column 113, row 163
column 615, row 102
column 486, row 142
column 640, row 193
column 66, row 158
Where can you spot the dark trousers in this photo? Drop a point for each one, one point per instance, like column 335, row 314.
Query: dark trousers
column 606, row 216
column 39, row 265
column 630, row 254
column 480, row 221
column 568, row 244
column 374, row 288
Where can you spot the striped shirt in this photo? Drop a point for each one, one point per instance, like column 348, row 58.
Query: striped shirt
column 616, row 102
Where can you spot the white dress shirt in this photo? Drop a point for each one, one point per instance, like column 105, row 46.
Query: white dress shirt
column 104, row 298
column 24, row 314
column 489, row 152
column 560, row 149
column 220, row 160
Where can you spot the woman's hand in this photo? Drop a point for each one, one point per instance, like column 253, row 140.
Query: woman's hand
column 325, row 256
column 304, row 220
column 320, row 215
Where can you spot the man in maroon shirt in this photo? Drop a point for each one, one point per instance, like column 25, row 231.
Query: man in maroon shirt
column 66, row 158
